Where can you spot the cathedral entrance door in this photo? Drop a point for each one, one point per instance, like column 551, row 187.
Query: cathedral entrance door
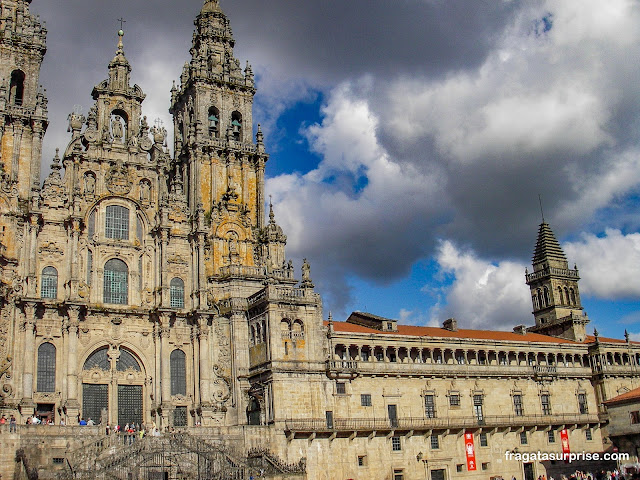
column 129, row 404
column 113, row 379
column 95, row 397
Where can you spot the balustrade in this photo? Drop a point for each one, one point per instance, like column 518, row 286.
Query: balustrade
column 422, row 423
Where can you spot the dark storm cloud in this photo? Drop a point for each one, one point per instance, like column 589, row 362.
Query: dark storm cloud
column 321, row 42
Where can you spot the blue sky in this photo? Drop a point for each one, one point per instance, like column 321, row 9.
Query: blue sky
column 409, row 144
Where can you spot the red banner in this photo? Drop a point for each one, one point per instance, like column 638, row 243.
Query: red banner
column 564, row 439
column 470, row 451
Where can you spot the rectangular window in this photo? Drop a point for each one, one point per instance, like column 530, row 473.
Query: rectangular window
column 460, row 467
column 117, row 222
column 485, row 466
column 551, row 435
column 365, row 400
column 396, row 444
column 362, row 460
column 364, row 355
column 341, row 388
column 398, row 475
column 454, row 400
column 523, row 438
column 484, row 440
column 517, row 405
column 430, row 406
column 329, row 417
column 435, row 442
column 588, row 434
column 477, row 407
column 635, row 417
column 582, row 403
column 58, row 460
column 546, row 405
column 180, row 417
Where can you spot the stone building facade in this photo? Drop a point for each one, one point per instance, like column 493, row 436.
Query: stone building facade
column 140, row 286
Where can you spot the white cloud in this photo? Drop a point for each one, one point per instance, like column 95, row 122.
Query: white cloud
column 608, row 264
column 483, row 294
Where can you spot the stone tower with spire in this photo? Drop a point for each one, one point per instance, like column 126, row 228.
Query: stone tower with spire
column 222, row 167
column 554, row 290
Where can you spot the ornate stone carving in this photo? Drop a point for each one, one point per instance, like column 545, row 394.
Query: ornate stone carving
column 119, row 181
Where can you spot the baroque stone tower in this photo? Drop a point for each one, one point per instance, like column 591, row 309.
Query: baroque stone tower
column 23, row 105
column 554, row 290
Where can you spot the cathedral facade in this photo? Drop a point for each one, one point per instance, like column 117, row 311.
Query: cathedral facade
column 144, row 287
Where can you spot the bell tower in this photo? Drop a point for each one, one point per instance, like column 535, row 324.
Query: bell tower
column 221, row 166
column 554, row 290
column 23, row 105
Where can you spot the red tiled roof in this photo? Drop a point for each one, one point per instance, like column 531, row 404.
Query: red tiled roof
column 630, row 395
column 592, row 339
column 437, row 332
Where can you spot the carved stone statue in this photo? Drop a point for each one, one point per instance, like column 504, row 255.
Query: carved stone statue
column 306, row 274
column 145, row 191
column 116, row 128
column 89, row 184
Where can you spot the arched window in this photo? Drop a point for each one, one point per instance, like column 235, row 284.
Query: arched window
column 178, row 373
column 566, row 295
column 46, row 368
column 16, row 92
column 98, row 359
column 546, row 297
column 49, row 283
column 126, row 360
column 117, row 222
column 176, row 289
column 573, row 296
column 91, row 228
column 116, row 282
column 253, row 411
column 560, row 301
column 540, row 299
column 214, row 121
column 236, row 126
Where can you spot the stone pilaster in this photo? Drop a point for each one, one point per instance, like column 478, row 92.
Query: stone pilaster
column 27, row 405
column 72, row 405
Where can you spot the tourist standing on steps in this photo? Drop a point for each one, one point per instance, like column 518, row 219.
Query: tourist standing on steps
column 13, row 425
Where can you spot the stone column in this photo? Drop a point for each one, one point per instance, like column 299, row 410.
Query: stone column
column 72, row 404
column 260, row 192
column 166, row 369
column 239, row 357
column 36, row 152
column 195, row 364
column 27, row 406
column 205, row 363
column 164, row 295
column 33, row 241
column 17, row 141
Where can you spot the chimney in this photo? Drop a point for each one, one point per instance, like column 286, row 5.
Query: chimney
column 450, row 324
